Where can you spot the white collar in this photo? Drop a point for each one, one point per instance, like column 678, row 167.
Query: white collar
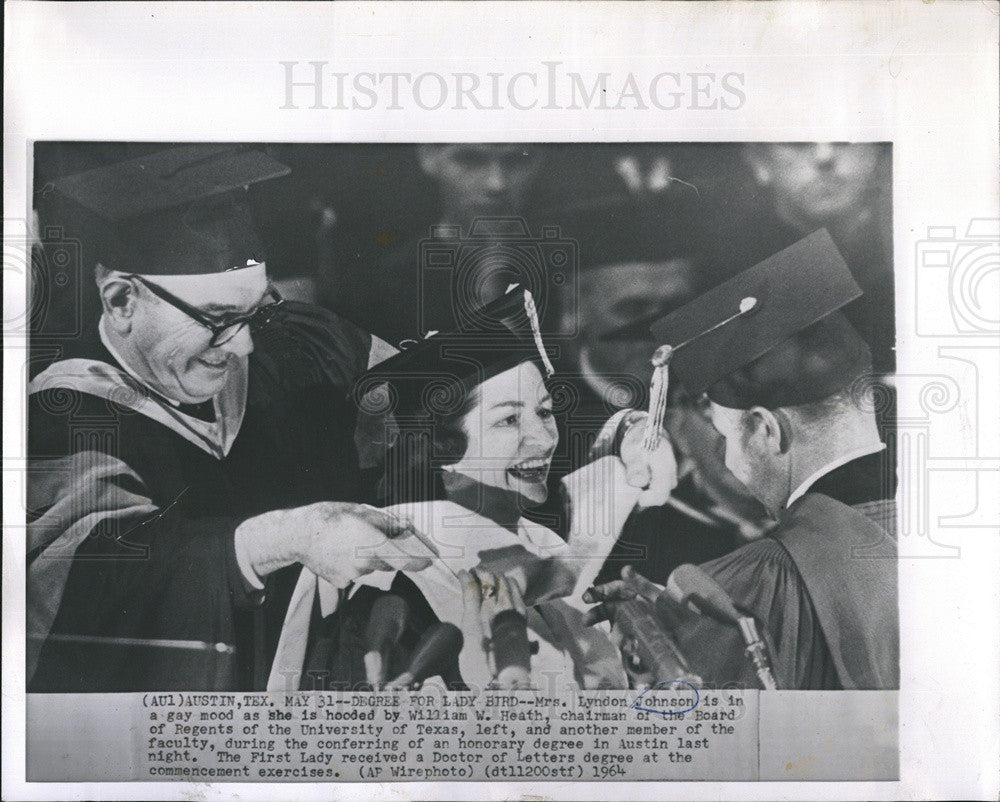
column 103, row 332
column 803, row 488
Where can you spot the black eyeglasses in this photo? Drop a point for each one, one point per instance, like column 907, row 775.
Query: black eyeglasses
column 225, row 330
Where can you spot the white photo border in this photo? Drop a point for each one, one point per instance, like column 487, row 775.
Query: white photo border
column 922, row 75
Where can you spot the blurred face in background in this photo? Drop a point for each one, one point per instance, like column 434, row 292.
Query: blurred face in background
column 480, row 179
column 616, row 296
column 814, row 183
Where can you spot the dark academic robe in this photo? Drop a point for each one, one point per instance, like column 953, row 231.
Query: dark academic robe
column 822, row 586
column 133, row 582
column 656, row 540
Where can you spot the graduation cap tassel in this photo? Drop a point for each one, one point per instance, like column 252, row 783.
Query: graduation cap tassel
column 658, row 387
column 660, row 383
column 536, row 332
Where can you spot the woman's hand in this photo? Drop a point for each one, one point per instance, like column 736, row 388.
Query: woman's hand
column 484, row 597
column 473, row 661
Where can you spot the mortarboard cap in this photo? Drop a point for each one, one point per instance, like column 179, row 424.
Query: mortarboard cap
column 433, row 375
column 772, row 335
column 181, row 211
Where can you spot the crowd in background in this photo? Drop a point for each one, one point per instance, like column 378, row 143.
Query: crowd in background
column 345, row 227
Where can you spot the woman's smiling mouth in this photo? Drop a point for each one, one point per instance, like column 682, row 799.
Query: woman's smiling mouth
column 531, row 470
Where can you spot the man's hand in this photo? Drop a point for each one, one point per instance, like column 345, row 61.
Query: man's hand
column 607, row 597
column 337, row 541
column 654, row 471
column 632, row 585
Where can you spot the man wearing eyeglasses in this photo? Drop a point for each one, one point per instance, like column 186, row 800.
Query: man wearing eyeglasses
column 182, row 468
column 184, row 350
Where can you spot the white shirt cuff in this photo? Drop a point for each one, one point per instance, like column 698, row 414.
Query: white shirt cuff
column 243, row 561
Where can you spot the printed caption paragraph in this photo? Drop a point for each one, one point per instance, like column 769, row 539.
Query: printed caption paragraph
column 667, row 732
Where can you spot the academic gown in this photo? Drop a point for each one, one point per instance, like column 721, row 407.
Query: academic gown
column 822, row 586
column 461, row 533
column 133, row 503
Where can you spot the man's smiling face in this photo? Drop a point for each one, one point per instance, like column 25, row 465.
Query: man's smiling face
column 174, row 352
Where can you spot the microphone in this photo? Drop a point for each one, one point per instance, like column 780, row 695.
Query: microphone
column 385, row 626
column 757, row 650
column 436, row 651
column 658, row 652
column 511, row 650
column 689, row 586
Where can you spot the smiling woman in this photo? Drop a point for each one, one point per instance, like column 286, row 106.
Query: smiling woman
column 511, row 433
column 499, row 433
column 474, row 442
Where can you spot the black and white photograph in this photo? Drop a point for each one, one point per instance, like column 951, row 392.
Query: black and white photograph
column 367, row 446
column 437, row 424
